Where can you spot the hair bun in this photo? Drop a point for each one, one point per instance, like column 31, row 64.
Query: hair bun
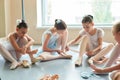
column 90, row 16
column 57, row 21
column 23, row 21
column 18, row 21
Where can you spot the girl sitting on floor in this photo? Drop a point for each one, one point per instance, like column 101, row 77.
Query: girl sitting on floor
column 54, row 41
column 114, row 69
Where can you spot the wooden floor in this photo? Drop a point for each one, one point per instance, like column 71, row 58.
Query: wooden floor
column 63, row 67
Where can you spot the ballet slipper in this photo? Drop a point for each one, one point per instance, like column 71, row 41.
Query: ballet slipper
column 66, row 55
column 46, row 77
column 34, row 60
column 90, row 61
column 50, row 77
column 25, row 64
column 14, row 65
column 55, row 77
column 78, row 62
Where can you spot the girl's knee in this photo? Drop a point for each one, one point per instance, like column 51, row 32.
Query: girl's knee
column 22, row 42
column 110, row 45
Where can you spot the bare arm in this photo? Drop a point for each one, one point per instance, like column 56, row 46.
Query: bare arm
column 105, row 70
column 14, row 43
column 74, row 40
column 109, row 69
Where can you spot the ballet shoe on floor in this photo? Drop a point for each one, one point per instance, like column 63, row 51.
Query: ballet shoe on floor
column 14, row 65
column 25, row 64
column 78, row 63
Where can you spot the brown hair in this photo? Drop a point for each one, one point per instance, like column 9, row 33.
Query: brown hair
column 60, row 24
column 22, row 24
column 87, row 18
column 116, row 27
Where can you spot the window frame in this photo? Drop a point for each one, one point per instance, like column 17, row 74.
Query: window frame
column 41, row 21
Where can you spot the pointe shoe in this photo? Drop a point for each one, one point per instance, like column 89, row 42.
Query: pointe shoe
column 46, row 77
column 77, row 62
column 90, row 61
column 68, row 56
column 50, row 77
column 25, row 64
column 34, row 60
column 14, row 65
column 55, row 77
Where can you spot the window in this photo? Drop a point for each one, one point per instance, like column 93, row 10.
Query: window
column 105, row 12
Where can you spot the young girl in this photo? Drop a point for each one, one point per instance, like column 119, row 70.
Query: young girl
column 54, row 40
column 115, row 69
column 18, row 45
column 91, row 41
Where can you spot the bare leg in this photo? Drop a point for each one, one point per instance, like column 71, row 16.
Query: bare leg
column 101, row 54
column 83, row 45
column 8, row 56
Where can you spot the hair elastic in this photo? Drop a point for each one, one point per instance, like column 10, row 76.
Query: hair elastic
column 58, row 21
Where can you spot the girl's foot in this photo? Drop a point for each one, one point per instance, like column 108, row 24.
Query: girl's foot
column 78, row 62
column 67, row 56
column 34, row 60
column 14, row 65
